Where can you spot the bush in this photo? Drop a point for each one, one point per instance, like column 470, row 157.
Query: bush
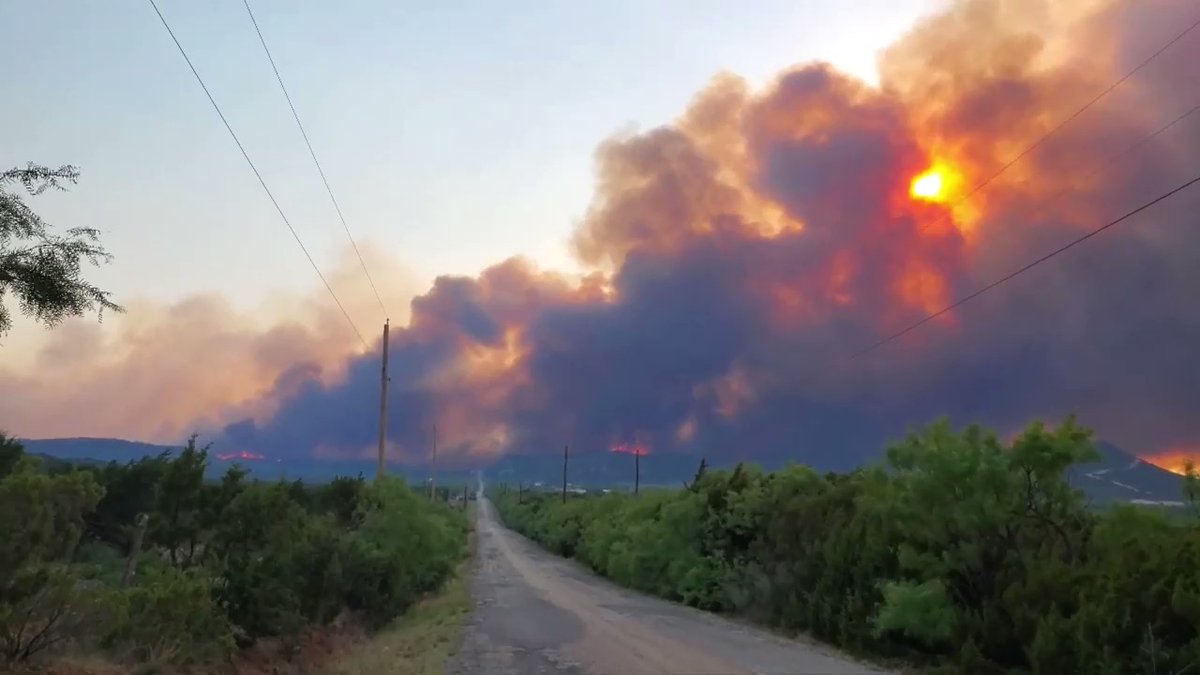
column 42, row 602
column 382, row 576
column 276, row 567
column 170, row 617
column 222, row 563
column 964, row 554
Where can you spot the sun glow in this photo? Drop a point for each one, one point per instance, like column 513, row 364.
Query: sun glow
column 929, row 186
column 939, row 183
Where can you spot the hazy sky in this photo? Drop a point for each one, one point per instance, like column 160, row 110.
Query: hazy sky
column 454, row 133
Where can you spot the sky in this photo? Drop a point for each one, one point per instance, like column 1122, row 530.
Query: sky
column 454, row 134
column 671, row 226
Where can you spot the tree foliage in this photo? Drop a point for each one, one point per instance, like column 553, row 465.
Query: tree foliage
column 41, row 269
column 42, row 520
column 225, row 562
column 962, row 553
column 11, row 452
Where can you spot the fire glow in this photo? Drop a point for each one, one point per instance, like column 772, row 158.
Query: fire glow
column 630, row 449
column 935, row 184
column 732, row 257
column 1175, row 460
column 252, row 456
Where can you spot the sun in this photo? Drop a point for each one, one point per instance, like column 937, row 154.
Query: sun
column 933, row 185
column 930, row 186
column 939, row 183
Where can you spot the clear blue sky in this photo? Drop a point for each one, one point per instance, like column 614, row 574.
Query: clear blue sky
column 454, row 133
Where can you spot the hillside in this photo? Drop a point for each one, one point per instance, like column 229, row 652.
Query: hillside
column 104, row 450
column 1119, row 476
column 93, row 449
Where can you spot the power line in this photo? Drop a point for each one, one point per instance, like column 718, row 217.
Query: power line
column 1058, row 127
column 253, row 168
column 313, row 153
column 1110, row 162
column 1112, row 159
column 1078, row 240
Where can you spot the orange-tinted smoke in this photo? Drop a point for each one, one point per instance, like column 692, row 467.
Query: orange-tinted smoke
column 827, row 238
column 163, row 371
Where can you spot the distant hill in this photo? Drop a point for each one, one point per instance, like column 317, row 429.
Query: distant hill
column 54, row 464
column 95, row 449
column 1118, row 476
column 104, row 450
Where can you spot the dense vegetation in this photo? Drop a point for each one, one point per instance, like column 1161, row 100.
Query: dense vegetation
column 963, row 554
column 221, row 564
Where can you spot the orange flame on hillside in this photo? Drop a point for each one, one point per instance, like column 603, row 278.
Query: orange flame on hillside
column 630, row 449
column 1175, row 460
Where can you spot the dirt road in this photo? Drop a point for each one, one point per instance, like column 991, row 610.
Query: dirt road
column 538, row 613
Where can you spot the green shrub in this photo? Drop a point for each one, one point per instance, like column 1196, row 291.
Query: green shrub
column 963, row 554
column 222, row 562
column 262, row 556
column 42, row 601
column 170, row 617
column 383, row 571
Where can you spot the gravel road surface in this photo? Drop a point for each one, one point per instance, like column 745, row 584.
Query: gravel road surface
column 538, row 613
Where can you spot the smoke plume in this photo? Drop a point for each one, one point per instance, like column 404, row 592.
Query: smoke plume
column 739, row 256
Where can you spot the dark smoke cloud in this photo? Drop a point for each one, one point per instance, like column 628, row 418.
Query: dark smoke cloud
column 742, row 254
column 746, row 251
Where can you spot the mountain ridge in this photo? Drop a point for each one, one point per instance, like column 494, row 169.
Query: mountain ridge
column 1117, row 476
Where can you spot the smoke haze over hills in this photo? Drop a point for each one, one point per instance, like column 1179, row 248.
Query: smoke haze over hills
column 739, row 256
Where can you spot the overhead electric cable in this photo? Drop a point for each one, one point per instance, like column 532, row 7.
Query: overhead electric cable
column 1109, row 162
column 258, row 175
column 313, row 154
column 1058, row 127
column 975, row 294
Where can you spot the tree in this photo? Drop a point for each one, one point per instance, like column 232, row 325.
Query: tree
column 340, row 497
column 259, row 553
column 11, row 452
column 129, row 490
column 42, row 518
column 177, row 522
column 40, row 268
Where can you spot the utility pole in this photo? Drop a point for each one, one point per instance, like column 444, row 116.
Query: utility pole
column 383, row 383
column 637, row 468
column 433, row 467
column 565, row 447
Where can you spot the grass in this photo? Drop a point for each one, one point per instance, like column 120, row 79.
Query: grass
column 421, row 641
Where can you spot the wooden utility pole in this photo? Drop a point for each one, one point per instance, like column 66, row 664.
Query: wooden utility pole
column 383, row 383
column 464, row 496
column 565, row 447
column 637, row 468
column 433, row 467
column 135, row 549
